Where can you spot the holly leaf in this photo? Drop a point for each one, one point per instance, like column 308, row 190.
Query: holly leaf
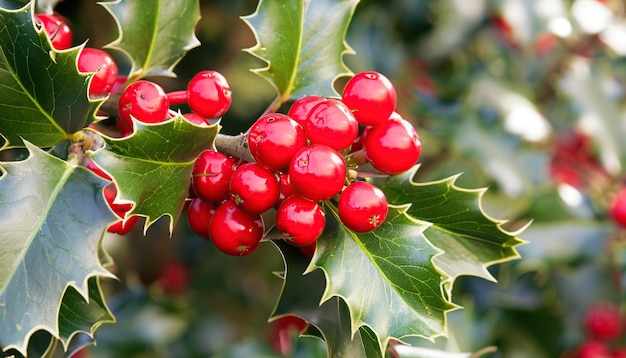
column 303, row 43
column 43, row 97
column 386, row 277
column 53, row 216
column 154, row 34
column 301, row 296
column 152, row 168
column 470, row 240
column 78, row 315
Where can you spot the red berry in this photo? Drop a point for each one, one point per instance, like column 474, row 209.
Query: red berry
column 371, row 97
column 282, row 330
column 331, row 123
column 199, row 215
column 308, row 250
column 300, row 221
column 110, row 193
column 362, row 207
column 57, row 29
column 618, row 208
column 104, row 70
column 91, row 165
column 211, row 175
column 286, row 189
column 208, row 94
column 174, row 277
column 619, row 352
column 392, row 147
column 196, row 119
column 594, row 349
column 604, row 321
column 274, row 139
column 317, row 172
column 235, row 231
column 122, row 227
column 144, row 100
column 300, row 109
column 118, row 84
column 254, row 188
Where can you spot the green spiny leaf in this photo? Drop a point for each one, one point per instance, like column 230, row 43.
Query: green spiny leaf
column 470, row 240
column 301, row 295
column 43, row 98
column 152, row 168
column 53, row 216
column 78, row 315
column 302, row 43
column 154, row 34
column 386, row 277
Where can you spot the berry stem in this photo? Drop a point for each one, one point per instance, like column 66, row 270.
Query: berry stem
column 177, row 97
column 236, row 146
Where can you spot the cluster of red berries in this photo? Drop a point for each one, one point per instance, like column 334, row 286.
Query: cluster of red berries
column 299, row 163
column 90, row 60
column 208, row 93
column 208, row 96
column 604, row 327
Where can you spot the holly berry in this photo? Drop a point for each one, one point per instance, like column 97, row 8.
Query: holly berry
column 211, row 175
column 331, row 123
column 286, row 189
column 371, row 97
column 122, row 227
column 144, row 100
column 300, row 109
column 300, row 221
column 254, row 188
column 174, row 277
column 57, row 29
column 594, row 349
column 235, row 231
column 282, row 330
column 317, row 172
column 199, row 215
column 196, row 119
column 274, row 139
column 110, row 193
column 618, row 208
column 209, row 94
column 104, row 70
column 91, row 165
column 393, row 146
column 362, row 207
column 604, row 321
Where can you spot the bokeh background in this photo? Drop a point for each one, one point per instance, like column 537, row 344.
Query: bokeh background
column 525, row 97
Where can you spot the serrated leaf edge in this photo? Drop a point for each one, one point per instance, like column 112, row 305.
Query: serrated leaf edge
column 134, row 72
column 354, row 327
column 409, row 176
column 281, row 98
column 83, row 291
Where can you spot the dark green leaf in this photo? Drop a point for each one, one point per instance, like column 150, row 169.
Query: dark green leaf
column 470, row 240
column 154, row 34
column 53, row 216
column 302, row 43
column 301, row 296
column 152, row 168
column 387, row 277
column 78, row 315
column 43, row 98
